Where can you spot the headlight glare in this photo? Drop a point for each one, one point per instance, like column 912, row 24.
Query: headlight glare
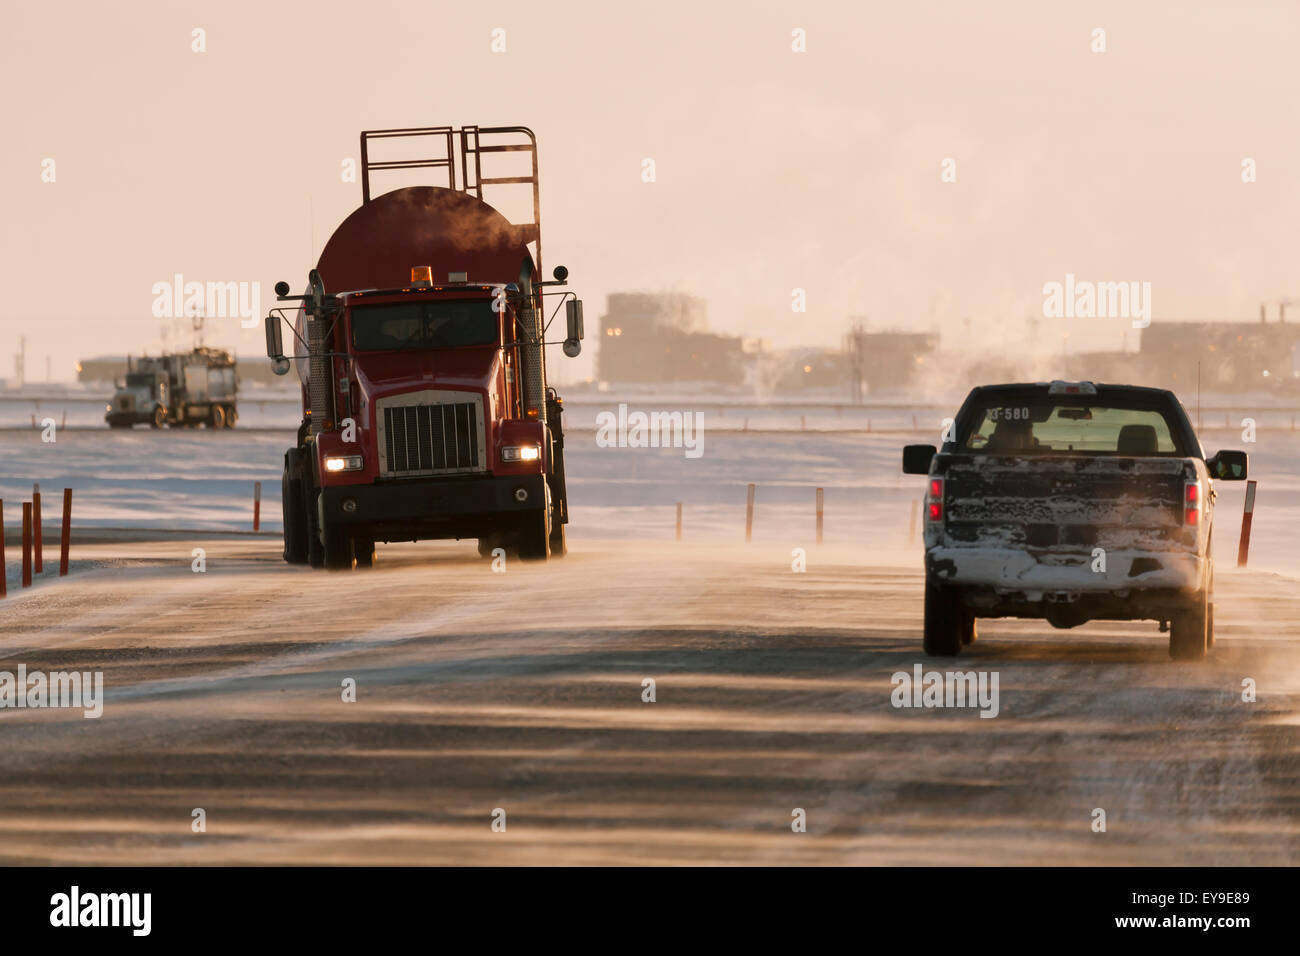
column 346, row 463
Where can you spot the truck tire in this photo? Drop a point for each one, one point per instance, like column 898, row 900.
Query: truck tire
column 217, row 417
column 535, row 536
column 315, row 549
column 558, row 547
column 1188, row 630
column 295, row 515
column 232, row 416
column 159, row 417
column 944, row 617
column 557, row 543
column 337, row 544
column 487, row 545
column 363, row 549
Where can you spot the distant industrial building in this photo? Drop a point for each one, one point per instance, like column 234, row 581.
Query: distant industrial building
column 1232, row 356
column 793, row 370
column 1219, row 356
column 652, row 338
column 877, row 361
column 649, row 338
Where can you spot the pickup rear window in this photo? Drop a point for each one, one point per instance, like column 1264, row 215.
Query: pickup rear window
column 1006, row 425
column 424, row 325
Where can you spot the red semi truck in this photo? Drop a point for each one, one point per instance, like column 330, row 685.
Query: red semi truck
column 420, row 347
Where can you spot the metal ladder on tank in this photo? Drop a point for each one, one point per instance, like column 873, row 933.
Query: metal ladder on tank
column 475, row 142
column 472, row 147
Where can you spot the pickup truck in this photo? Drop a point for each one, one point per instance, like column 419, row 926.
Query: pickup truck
column 1070, row 502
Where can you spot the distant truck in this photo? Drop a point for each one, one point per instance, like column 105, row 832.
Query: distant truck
column 1071, row 502
column 419, row 343
column 182, row 388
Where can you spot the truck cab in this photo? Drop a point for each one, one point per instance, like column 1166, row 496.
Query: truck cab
column 141, row 397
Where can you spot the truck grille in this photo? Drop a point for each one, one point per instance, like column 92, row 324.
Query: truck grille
column 428, row 438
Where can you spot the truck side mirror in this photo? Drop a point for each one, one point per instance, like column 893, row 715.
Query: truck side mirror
column 573, row 315
column 917, row 459
column 274, row 338
column 280, row 365
column 1228, row 465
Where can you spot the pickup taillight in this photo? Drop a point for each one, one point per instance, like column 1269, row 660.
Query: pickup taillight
column 1191, row 503
column 934, row 500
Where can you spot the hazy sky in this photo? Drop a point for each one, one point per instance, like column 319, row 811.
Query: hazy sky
column 775, row 170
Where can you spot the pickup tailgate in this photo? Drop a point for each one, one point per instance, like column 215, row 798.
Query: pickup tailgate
column 1032, row 526
column 1067, row 504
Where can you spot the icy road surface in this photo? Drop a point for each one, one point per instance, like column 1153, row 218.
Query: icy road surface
column 522, row 692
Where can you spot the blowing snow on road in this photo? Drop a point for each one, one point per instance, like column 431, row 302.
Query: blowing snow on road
column 679, row 702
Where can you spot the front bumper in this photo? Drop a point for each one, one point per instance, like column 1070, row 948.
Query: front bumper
column 128, row 418
column 443, row 507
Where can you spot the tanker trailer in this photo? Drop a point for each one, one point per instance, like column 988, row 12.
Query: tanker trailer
column 419, row 343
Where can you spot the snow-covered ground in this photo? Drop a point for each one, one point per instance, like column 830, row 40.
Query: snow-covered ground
column 204, row 481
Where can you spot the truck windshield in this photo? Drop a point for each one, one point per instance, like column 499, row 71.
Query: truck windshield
column 1004, row 425
column 424, row 325
column 137, row 379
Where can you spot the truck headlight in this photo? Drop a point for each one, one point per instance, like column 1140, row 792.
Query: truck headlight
column 521, row 453
column 347, row 463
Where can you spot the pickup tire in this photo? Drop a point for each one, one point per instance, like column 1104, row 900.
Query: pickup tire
column 1209, row 609
column 1188, row 630
column 945, row 621
column 968, row 631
